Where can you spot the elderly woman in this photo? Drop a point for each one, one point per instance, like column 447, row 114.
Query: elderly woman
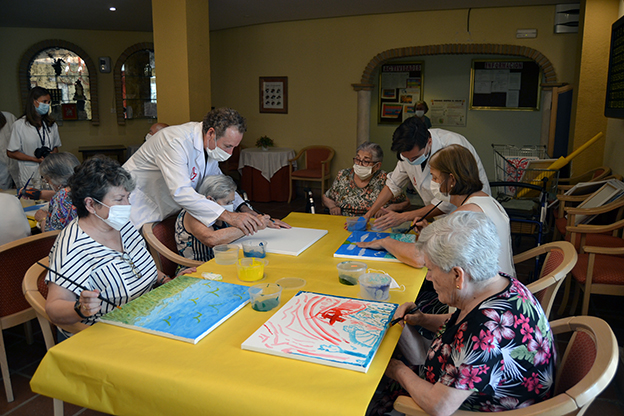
column 56, row 169
column 455, row 178
column 355, row 190
column 100, row 249
column 420, row 109
column 194, row 240
column 496, row 352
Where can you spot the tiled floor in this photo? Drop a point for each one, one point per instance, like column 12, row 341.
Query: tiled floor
column 24, row 358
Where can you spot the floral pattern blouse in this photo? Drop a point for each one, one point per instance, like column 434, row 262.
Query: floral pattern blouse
column 354, row 201
column 503, row 350
column 60, row 211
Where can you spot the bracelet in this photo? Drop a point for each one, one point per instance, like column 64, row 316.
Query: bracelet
column 77, row 307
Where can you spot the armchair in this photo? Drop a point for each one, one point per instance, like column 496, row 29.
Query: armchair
column 317, row 167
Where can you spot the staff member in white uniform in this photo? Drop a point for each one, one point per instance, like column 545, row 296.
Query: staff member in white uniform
column 170, row 166
column 8, row 166
column 413, row 144
column 34, row 135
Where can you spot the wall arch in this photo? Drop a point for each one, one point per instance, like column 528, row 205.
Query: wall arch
column 117, row 76
column 27, row 58
column 366, row 84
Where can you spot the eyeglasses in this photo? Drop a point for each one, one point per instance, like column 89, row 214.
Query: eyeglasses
column 126, row 258
column 363, row 162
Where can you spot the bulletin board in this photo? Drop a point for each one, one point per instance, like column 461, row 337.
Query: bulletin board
column 505, row 85
column 400, row 86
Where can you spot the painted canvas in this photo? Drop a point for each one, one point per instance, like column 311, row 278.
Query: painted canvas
column 349, row 250
column 325, row 329
column 186, row 309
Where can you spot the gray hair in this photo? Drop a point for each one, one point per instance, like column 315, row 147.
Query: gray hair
column 58, row 167
column 217, row 186
column 373, row 148
column 463, row 239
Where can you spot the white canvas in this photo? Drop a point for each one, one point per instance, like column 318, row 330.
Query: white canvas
column 291, row 241
column 325, row 329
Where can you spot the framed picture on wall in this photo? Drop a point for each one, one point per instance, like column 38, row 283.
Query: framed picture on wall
column 274, row 95
column 400, row 87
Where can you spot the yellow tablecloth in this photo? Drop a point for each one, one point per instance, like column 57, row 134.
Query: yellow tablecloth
column 121, row 371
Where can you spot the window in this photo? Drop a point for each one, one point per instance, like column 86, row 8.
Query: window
column 135, row 83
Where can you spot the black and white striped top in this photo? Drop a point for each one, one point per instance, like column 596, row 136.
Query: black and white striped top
column 80, row 258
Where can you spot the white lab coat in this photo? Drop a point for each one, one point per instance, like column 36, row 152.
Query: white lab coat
column 168, row 168
column 421, row 179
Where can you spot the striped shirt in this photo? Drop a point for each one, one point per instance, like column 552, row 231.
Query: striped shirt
column 90, row 264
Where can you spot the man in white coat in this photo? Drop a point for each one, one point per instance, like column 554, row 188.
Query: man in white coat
column 171, row 165
column 414, row 144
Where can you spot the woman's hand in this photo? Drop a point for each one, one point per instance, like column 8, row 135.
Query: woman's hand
column 335, row 210
column 41, row 215
column 90, row 304
column 394, row 367
column 374, row 245
column 419, row 224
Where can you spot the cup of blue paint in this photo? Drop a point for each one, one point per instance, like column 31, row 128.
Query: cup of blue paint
column 374, row 286
column 255, row 248
column 265, row 296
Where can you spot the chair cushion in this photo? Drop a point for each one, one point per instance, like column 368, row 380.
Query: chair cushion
column 307, row 173
column 598, row 240
column 315, row 156
column 607, row 269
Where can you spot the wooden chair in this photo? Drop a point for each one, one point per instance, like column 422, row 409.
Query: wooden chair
column 15, row 259
column 559, row 261
column 36, row 291
column 593, row 175
column 587, row 367
column 600, row 269
column 160, row 238
column 317, row 167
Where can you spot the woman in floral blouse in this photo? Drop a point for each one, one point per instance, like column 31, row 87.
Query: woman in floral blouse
column 355, row 190
column 56, row 169
column 496, row 352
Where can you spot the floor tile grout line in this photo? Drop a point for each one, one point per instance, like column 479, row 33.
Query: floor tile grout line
column 21, row 404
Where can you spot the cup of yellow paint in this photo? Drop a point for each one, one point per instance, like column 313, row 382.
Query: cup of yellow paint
column 251, row 269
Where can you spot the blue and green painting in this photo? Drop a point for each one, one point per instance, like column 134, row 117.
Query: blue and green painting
column 186, row 308
column 349, row 250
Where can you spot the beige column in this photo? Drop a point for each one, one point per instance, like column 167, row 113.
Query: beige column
column 588, row 119
column 363, row 112
column 182, row 51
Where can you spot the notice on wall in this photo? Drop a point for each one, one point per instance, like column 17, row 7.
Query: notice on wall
column 448, row 112
column 400, row 87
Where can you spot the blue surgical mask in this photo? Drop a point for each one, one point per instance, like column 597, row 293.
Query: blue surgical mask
column 417, row 161
column 43, row 108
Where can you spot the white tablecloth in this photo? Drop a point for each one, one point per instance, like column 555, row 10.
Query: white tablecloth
column 266, row 161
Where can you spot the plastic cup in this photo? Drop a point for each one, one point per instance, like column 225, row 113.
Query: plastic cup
column 265, row 296
column 356, row 224
column 350, row 271
column 225, row 254
column 374, row 286
column 255, row 248
column 251, row 269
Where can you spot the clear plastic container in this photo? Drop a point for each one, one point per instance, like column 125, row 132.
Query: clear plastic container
column 255, row 248
column 374, row 286
column 349, row 271
column 226, row 254
column 265, row 296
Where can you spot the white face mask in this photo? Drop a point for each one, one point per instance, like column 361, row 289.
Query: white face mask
column 435, row 188
column 363, row 172
column 147, row 136
column 118, row 215
column 218, row 154
column 419, row 113
column 228, row 207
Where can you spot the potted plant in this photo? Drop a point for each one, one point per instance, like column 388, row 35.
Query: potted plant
column 265, row 142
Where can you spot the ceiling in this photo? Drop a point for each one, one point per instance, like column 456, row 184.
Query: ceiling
column 136, row 15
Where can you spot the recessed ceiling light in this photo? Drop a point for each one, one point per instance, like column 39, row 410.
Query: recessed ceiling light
column 112, row 9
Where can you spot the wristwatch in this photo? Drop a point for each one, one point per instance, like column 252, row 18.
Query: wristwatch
column 77, row 309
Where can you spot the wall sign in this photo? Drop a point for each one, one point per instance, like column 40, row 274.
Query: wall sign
column 274, row 95
column 505, row 85
column 400, row 86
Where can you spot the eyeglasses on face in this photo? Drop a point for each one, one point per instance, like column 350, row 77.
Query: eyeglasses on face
column 363, row 162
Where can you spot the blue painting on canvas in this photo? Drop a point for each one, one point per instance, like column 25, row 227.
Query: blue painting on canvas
column 186, row 308
column 349, row 250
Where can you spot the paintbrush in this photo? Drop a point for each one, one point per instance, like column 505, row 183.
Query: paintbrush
column 25, row 186
column 421, row 218
column 397, row 320
column 76, row 284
